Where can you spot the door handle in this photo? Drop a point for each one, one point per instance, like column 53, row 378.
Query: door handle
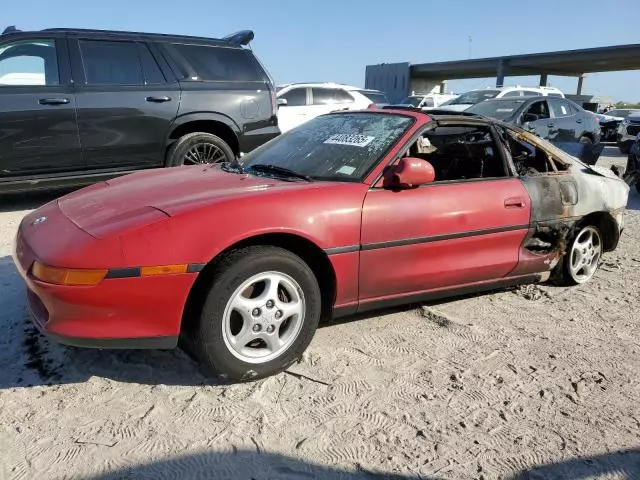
column 53, row 101
column 551, row 124
column 579, row 120
column 158, row 99
column 515, row 202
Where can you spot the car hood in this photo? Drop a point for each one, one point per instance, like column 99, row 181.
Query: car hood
column 139, row 199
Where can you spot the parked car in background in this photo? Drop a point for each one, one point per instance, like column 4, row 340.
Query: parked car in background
column 632, row 170
column 608, row 126
column 300, row 102
column 472, row 97
column 628, row 131
column 349, row 212
column 561, row 121
column 427, row 100
column 77, row 106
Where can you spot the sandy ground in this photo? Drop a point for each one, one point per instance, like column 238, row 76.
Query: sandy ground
column 539, row 382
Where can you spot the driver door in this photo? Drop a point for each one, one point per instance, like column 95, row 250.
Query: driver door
column 454, row 232
column 38, row 127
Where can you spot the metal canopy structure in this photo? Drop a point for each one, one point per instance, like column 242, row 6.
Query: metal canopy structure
column 398, row 79
column 571, row 63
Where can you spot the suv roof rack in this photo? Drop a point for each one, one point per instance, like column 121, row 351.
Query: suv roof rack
column 10, row 29
column 241, row 38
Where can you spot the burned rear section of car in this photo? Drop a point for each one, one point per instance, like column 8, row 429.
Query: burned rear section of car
column 565, row 194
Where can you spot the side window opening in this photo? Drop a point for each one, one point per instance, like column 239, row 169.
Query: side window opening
column 540, row 109
column 527, row 158
column 460, row 152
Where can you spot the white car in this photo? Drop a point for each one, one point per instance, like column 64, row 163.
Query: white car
column 300, row 102
column 472, row 97
column 427, row 100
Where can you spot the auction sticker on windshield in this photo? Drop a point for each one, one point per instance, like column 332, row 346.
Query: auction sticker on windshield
column 354, row 140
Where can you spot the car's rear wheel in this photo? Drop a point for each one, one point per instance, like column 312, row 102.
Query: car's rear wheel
column 624, row 147
column 582, row 259
column 199, row 148
column 259, row 315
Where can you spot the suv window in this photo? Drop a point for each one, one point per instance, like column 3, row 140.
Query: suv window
column 531, row 93
column 560, row 107
column 29, row 62
column 296, row 97
column 221, row 64
column 342, row 96
column 513, row 93
column 111, row 63
column 323, row 96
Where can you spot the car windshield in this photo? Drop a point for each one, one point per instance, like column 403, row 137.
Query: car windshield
column 474, row 96
column 412, row 100
column 339, row 147
column 375, row 97
column 500, row 109
column 621, row 113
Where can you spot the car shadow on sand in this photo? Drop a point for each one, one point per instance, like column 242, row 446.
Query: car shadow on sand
column 34, row 360
column 244, row 464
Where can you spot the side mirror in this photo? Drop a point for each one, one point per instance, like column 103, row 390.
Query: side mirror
column 282, row 102
column 410, row 172
column 529, row 117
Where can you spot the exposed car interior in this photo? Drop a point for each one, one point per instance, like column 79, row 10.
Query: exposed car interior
column 460, row 153
column 527, row 158
column 539, row 109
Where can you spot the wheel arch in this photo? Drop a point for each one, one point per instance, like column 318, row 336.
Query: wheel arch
column 214, row 123
column 607, row 225
column 307, row 250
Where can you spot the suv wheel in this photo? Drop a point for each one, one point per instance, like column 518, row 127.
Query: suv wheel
column 199, row 148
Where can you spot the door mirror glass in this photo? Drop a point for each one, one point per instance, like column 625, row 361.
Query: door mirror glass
column 410, row 172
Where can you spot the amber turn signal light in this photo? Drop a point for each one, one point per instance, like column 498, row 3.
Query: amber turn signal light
column 67, row 276
column 163, row 270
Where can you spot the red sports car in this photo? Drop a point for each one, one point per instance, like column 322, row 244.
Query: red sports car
column 348, row 212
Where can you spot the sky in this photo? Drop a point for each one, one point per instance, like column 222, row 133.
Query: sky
column 334, row 40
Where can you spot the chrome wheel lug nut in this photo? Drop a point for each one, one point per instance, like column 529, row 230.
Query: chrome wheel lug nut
column 270, row 329
column 270, row 303
column 278, row 314
column 256, row 312
column 257, row 327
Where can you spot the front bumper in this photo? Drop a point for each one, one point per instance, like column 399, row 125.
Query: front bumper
column 142, row 312
column 628, row 132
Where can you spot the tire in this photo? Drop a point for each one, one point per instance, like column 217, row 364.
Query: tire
column 624, row 147
column 226, row 342
column 585, row 140
column 638, row 187
column 198, row 148
column 568, row 272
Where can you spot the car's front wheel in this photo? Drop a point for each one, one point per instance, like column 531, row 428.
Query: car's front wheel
column 260, row 314
column 583, row 256
column 199, row 148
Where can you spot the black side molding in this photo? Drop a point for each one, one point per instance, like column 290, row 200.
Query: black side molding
column 155, row 343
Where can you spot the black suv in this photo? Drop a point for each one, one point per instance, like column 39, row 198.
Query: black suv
column 77, row 106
